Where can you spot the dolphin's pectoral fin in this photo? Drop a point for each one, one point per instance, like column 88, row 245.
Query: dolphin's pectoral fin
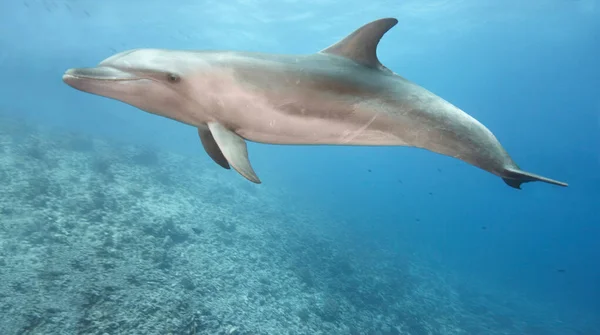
column 212, row 148
column 515, row 177
column 234, row 149
column 361, row 45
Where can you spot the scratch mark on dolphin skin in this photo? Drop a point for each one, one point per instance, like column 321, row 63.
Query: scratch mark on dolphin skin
column 360, row 130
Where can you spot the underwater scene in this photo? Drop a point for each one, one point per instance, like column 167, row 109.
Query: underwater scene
column 241, row 167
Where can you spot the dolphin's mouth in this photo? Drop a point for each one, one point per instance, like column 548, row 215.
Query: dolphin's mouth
column 99, row 73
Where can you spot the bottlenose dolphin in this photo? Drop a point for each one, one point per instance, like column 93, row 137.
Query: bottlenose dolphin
column 341, row 95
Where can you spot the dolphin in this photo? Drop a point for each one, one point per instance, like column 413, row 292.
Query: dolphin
column 341, row 95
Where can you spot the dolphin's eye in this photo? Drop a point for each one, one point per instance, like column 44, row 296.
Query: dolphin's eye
column 172, row 78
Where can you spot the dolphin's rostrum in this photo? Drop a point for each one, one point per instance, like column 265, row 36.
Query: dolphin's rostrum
column 341, row 95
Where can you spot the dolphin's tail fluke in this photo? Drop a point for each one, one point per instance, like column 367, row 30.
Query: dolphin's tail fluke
column 515, row 177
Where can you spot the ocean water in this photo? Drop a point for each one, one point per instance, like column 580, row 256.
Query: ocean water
column 115, row 221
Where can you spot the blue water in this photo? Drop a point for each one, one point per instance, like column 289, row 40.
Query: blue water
column 528, row 70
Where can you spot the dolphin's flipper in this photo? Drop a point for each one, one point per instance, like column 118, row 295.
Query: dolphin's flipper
column 361, row 45
column 234, row 149
column 212, row 148
column 516, row 177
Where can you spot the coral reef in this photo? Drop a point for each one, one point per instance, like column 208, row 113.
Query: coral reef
column 109, row 238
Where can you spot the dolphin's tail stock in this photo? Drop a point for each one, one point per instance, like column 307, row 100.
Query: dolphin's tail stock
column 514, row 177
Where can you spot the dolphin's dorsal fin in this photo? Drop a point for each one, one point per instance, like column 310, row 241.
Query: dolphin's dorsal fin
column 361, row 45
